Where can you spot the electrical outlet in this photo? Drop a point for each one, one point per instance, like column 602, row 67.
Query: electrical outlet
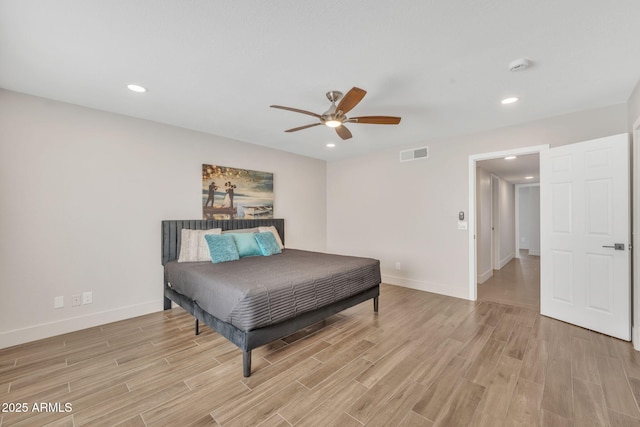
column 87, row 297
column 76, row 300
column 58, row 302
column 398, row 265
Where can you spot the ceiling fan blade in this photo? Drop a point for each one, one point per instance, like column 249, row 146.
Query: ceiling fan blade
column 296, row 110
column 302, row 127
column 343, row 132
column 351, row 99
column 376, row 120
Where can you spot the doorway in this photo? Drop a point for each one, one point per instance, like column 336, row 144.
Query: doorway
column 585, row 276
column 513, row 200
column 503, row 243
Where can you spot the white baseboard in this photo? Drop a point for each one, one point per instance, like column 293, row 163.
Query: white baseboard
column 46, row 330
column 483, row 277
column 436, row 288
column 635, row 338
column 506, row 260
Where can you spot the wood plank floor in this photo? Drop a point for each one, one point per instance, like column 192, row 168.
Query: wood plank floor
column 423, row 360
column 517, row 283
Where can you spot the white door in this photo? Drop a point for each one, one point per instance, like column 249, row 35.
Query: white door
column 584, row 216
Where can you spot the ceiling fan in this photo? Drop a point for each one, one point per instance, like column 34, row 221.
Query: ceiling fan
column 335, row 116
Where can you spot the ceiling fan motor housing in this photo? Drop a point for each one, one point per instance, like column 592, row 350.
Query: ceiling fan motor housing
column 334, row 95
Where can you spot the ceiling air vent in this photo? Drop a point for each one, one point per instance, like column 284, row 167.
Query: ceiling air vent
column 414, row 154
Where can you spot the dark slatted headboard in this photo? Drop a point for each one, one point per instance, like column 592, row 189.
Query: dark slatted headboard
column 171, row 234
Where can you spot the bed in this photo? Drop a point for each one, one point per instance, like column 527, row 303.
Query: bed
column 256, row 300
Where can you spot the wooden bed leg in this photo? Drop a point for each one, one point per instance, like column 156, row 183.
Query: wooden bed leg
column 197, row 327
column 246, row 363
column 375, row 304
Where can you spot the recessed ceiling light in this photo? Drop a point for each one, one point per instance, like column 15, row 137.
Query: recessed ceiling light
column 528, row 177
column 331, row 145
column 509, row 100
column 510, row 157
column 137, row 88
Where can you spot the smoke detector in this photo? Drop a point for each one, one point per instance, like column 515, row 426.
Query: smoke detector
column 519, row 65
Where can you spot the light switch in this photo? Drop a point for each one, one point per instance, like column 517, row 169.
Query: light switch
column 462, row 225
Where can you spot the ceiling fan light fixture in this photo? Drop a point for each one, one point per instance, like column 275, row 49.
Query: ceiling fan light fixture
column 335, row 117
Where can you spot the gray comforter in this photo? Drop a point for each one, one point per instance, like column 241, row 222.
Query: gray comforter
column 258, row 291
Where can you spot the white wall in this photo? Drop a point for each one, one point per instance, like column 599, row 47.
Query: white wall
column 507, row 231
column 529, row 217
column 534, row 223
column 483, row 225
column 504, row 225
column 524, row 217
column 408, row 212
column 633, row 108
column 82, row 194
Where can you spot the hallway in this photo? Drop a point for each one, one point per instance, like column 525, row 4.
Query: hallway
column 517, row 283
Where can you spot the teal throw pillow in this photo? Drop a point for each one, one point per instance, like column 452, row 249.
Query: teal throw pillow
column 222, row 248
column 267, row 243
column 246, row 244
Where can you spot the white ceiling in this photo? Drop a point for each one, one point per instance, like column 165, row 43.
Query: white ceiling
column 216, row 66
column 515, row 170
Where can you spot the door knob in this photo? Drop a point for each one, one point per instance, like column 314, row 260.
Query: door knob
column 616, row 246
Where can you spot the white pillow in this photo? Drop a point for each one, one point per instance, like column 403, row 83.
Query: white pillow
column 272, row 229
column 193, row 246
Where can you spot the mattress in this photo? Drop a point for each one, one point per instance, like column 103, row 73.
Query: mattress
column 259, row 291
